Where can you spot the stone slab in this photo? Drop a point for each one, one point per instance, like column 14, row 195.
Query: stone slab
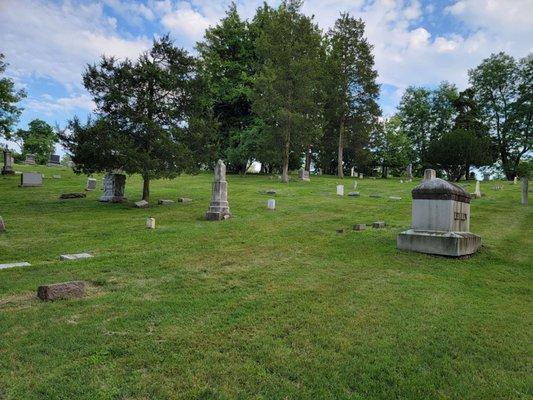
column 452, row 244
column 378, row 224
column 376, row 196
column 2, row 225
column 164, row 202
column 395, row 198
column 184, row 200
column 78, row 256
column 142, row 204
column 56, row 176
column 13, row 265
column 354, row 194
column 65, row 290
column 76, row 195
column 31, row 179
column 359, row 227
column 91, row 184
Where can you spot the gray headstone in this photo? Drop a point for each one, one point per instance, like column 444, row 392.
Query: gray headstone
column 7, row 169
column 141, row 204
column 396, row 198
column 78, row 256
column 13, row 265
column 359, row 227
column 303, row 175
column 113, row 187
column 56, row 176
column 164, row 202
column 76, row 195
column 54, row 160
column 409, row 171
column 91, row 184
column 378, row 224
column 184, row 200
column 30, row 159
column 31, row 179
column 353, row 194
column 219, row 207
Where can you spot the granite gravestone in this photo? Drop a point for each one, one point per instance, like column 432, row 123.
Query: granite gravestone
column 440, row 220
column 91, row 184
column 271, row 204
column 54, row 161
column 31, row 179
column 303, row 175
column 7, row 169
column 219, row 208
column 30, row 159
column 114, row 188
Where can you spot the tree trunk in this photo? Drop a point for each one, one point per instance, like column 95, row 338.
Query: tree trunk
column 285, row 170
column 146, row 189
column 340, row 170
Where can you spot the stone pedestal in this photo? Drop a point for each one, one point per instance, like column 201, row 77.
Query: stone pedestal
column 219, row 208
column 440, row 220
column 114, row 185
column 7, row 169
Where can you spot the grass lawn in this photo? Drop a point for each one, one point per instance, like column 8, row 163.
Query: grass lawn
column 265, row 305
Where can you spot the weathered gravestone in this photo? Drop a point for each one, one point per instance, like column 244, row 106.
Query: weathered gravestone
column 7, row 169
column 525, row 188
column 440, row 220
column 409, row 171
column 91, row 184
column 64, row 290
column 271, row 204
column 163, row 202
column 142, row 204
column 114, row 188
column 359, row 227
column 31, row 179
column 30, row 159
column 515, row 180
column 2, row 225
column 54, row 161
column 13, row 265
column 75, row 195
column 219, row 208
column 340, row 190
column 477, row 192
column 77, row 256
column 303, row 175
column 150, row 223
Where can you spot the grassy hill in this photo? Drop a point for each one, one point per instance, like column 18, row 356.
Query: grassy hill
column 265, row 305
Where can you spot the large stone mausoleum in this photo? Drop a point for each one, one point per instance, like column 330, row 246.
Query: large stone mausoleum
column 440, row 220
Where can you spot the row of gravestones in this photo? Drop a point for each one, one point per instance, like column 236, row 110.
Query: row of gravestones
column 7, row 169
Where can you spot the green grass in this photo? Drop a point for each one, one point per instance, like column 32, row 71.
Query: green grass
column 265, row 305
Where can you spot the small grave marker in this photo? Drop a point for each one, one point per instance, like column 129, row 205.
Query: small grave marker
column 72, row 196
column 359, row 227
column 65, row 290
column 142, row 204
column 31, row 179
column 378, row 225
column 150, row 223
column 91, row 184
column 340, row 190
column 164, row 202
column 13, row 265
column 78, row 256
column 271, row 204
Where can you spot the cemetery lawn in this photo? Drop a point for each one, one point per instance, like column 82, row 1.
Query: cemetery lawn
column 266, row 305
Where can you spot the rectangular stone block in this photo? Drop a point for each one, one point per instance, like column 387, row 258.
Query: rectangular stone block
column 65, row 290
column 340, row 190
column 91, row 184
column 65, row 257
column 378, row 224
column 359, row 227
column 13, row 265
column 31, row 179
column 452, row 244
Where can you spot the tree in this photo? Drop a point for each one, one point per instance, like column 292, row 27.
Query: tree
column 145, row 119
column 9, row 97
column 39, row 139
column 227, row 59
column 352, row 92
column 504, row 89
column 287, row 93
column 391, row 146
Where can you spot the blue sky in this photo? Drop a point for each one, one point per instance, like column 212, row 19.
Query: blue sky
column 48, row 43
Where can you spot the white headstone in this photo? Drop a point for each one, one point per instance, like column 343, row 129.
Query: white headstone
column 271, row 204
column 477, row 192
column 354, row 185
column 514, row 180
column 91, row 184
column 12, row 265
column 150, row 223
column 78, row 256
column 31, row 179
column 340, row 190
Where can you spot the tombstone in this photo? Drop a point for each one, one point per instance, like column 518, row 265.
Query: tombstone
column 219, row 208
column 525, row 188
column 184, row 200
column 353, row 194
column 378, row 224
column 163, row 202
column 2, row 225
column 477, row 192
column 359, row 227
column 440, row 220
column 30, row 159
column 150, row 223
column 113, row 187
column 65, row 290
column 76, row 256
column 54, row 161
column 319, row 171
column 354, row 185
column 303, row 175
column 56, row 176
column 7, row 169
column 91, row 184
column 142, row 204
column 409, row 171
column 31, row 179
column 74, row 195
column 13, row 265
column 361, row 176
column 352, row 171
column 271, row 204
column 515, row 180
column 486, row 176
column 340, row 190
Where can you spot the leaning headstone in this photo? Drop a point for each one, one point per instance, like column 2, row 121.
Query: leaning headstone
column 30, row 159
column 54, row 161
column 219, row 208
column 271, row 204
column 303, row 175
column 65, row 290
column 13, row 265
column 78, row 256
column 525, row 188
column 150, row 223
column 477, row 192
column 91, row 184
column 378, row 224
column 31, row 179
column 7, row 169
column 359, row 227
column 340, row 190
column 2, row 225
column 440, row 220
column 142, row 204
column 114, row 188
column 164, row 202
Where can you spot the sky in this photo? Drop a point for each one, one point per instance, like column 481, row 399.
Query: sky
column 416, row 42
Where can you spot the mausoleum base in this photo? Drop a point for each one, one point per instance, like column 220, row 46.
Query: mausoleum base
column 452, row 244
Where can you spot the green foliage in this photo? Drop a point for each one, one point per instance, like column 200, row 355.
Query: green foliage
column 39, row 139
column 503, row 87
column 9, row 97
column 525, row 168
column 391, row 146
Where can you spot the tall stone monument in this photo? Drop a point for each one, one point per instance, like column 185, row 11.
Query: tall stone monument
column 219, row 208
column 525, row 188
column 113, row 187
column 7, row 169
column 440, row 220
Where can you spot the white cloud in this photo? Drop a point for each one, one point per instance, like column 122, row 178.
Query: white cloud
column 184, row 21
column 48, row 105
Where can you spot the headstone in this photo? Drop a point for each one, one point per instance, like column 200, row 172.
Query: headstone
column 515, row 180
column 401, row 180
column 164, row 202
column 13, row 265
column 340, row 190
column 375, row 196
column 378, row 224
column 7, row 169
column 64, row 290
column 54, row 161
column 395, row 198
column 353, row 194
column 354, row 185
column 219, row 208
column 72, row 196
column 477, row 192
column 184, row 200
column 440, row 220
column 359, row 227
column 486, row 176
column 31, row 179
column 429, row 174
column 271, row 191
column 142, row 204
column 78, row 256
column 525, row 188
column 30, row 159
column 303, row 175
column 2, row 225
column 56, row 176
column 271, row 204
column 361, row 176
column 352, row 171
column 409, row 171
column 114, row 188
column 150, row 223
column 91, row 184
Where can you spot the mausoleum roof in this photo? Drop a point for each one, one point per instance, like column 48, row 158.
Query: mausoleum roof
column 439, row 189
